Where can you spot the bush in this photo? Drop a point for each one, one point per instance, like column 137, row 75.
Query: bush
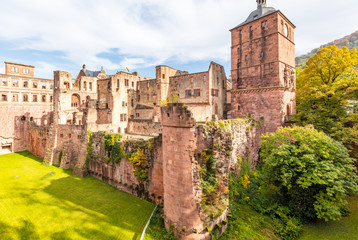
column 288, row 228
column 112, row 146
column 312, row 172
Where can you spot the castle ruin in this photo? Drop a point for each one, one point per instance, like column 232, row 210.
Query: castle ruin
column 173, row 126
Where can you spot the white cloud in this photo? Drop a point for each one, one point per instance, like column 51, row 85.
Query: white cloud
column 148, row 32
column 44, row 68
column 2, row 68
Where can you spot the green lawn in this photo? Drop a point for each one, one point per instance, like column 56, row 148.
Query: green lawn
column 42, row 202
column 346, row 229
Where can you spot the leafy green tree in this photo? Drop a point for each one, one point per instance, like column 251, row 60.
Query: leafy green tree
column 325, row 84
column 311, row 172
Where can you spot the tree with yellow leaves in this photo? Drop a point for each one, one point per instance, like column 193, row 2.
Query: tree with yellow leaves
column 324, row 85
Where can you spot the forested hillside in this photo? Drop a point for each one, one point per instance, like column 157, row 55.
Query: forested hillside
column 350, row 41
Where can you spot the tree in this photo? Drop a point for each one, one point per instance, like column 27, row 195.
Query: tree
column 311, row 172
column 325, row 84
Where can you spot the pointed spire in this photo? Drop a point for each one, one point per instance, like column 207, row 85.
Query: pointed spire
column 261, row 3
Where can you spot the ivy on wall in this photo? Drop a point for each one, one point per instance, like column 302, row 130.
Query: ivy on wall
column 138, row 153
column 112, row 146
column 89, row 146
column 140, row 165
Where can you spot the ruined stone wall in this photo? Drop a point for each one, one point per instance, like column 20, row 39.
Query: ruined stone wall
column 144, row 127
column 217, row 86
column 37, row 140
column 187, row 148
column 69, row 99
column 121, row 175
column 9, row 112
column 147, row 92
column 66, row 147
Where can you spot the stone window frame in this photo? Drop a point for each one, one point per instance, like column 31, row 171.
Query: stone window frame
column 25, row 84
column 35, row 84
column 34, row 98
column 126, row 82
column 15, row 69
column 26, row 71
column 197, row 92
column 4, row 82
column 15, row 83
column 188, row 93
column 51, row 86
column 214, row 92
column 25, row 98
column 4, row 97
column 15, row 97
column 43, row 85
column 43, row 98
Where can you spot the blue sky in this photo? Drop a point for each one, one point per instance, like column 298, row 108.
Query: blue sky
column 140, row 34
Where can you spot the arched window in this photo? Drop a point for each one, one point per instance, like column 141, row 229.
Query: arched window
column 75, row 100
column 85, row 85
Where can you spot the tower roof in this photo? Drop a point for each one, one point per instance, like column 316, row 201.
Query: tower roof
column 261, row 11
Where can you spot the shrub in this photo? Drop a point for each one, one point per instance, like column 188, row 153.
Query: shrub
column 113, row 148
column 312, row 172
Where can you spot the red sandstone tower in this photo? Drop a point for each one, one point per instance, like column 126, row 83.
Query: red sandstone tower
column 263, row 67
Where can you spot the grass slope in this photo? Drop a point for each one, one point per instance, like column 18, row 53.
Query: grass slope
column 247, row 224
column 346, row 229
column 42, row 202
